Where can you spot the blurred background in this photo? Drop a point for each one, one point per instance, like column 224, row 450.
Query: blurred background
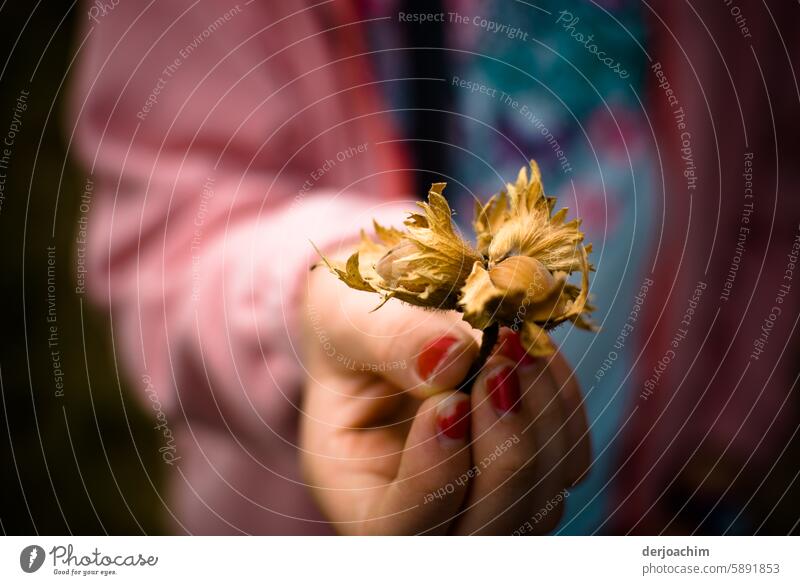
column 654, row 150
column 84, row 462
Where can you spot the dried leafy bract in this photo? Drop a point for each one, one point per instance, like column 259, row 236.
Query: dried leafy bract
column 516, row 275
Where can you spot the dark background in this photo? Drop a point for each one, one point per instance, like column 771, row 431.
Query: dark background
column 88, row 461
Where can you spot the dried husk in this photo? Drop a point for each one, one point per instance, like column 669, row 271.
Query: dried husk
column 516, row 275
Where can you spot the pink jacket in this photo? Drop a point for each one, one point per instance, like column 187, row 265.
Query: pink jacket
column 220, row 138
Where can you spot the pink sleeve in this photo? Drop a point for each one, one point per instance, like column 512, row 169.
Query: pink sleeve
column 219, row 140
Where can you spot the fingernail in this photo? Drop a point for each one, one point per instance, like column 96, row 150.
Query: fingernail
column 511, row 347
column 433, row 356
column 452, row 418
column 502, row 385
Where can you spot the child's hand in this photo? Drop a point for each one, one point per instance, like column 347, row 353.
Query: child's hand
column 389, row 447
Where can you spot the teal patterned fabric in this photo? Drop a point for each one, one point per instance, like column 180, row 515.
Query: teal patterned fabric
column 576, row 72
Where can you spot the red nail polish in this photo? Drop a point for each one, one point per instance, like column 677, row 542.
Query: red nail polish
column 432, row 356
column 503, row 389
column 452, row 417
column 511, row 347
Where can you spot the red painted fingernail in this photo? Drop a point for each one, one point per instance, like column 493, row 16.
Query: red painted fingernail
column 433, row 355
column 452, row 417
column 502, row 386
column 511, row 347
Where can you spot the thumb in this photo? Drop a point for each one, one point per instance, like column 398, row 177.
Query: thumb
column 422, row 352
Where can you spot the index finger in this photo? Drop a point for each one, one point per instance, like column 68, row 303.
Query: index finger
column 422, row 352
